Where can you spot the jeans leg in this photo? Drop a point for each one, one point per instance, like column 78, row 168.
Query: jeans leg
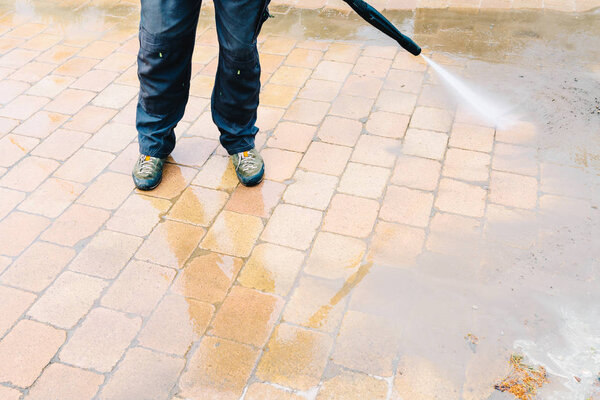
column 237, row 84
column 167, row 33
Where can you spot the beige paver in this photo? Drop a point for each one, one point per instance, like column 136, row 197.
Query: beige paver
column 233, row 234
column 139, row 288
column 75, row 224
column 9, row 394
column 26, row 350
column 466, row 165
column 65, row 382
column 396, row 245
column 101, row 340
column 472, row 137
column 513, row 190
column 69, row 298
column 292, row 226
column 138, row 215
column 143, row 374
column 23, row 229
column 364, row 180
column 376, row 150
column 460, row 198
column 311, row 189
column 38, row 266
column 259, row 391
column 13, row 303
column 407, row 206
column 28, row 173
column 350, row 215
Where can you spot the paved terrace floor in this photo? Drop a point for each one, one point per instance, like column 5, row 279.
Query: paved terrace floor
column 399, row 248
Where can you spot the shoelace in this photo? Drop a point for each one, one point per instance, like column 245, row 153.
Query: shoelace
column 146, row 166
column 247, row 163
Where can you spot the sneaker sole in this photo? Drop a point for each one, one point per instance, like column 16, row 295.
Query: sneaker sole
column 147, row 189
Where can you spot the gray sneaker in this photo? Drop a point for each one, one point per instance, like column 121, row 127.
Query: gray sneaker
column 249, row 167
column 147, row 172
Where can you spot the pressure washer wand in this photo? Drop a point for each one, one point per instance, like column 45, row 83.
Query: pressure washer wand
column 375, row 18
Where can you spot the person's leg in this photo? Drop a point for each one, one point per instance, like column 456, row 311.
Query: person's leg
column 237, row 84
column 167, row 33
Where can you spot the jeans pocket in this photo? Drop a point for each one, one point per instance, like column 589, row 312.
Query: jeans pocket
column 164, row 70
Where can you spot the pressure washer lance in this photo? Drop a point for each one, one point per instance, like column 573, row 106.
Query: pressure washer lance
column 374, row 17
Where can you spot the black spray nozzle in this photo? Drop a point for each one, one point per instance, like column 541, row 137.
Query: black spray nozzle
column 375, row 18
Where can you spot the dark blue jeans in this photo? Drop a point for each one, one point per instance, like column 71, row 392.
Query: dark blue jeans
column 167, row 36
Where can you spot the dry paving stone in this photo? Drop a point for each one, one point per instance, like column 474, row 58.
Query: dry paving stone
column 101, row 340
column 207, row 277
column 13, row 303
column 396, row 102
column 424, row 143
column 61, row 144
column 84, row 165
column 175, row 324
column 296, row 357
column 26, row 350
column 364, row 180
column 9, row 394
column 332, row 71
column 24, row 107
column 350, row 215
column 143, row 374
column 9, row 199
column 320, row 90
column 392, row 125
column 351, row 107
column 326, row 158
column 247, row 316
column 292, row 136
column 286, row 162
column 292, row 226
column 112, row 137
column 23, row 229
column 41, row 124
column 15, row 147
column 311, row 189
column 416, row 173
column 193, row 151
column 106, row 254
column 317, row 304
column 407, row 206
column 29, row 173
column 271, row 269
column 139, row 288
column 138, row 215
column 59, row 381
column 467, row 165
column 375, row 150
column 75, row 224
column 233, row 234
column 362, row 86
column 69, row 298
column 219, row 369
column 404, row 81
column 342, row 131
column 307, row 111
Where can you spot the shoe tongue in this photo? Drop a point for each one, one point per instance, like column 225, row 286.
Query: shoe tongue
column 147, row 158
column 245, row 154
